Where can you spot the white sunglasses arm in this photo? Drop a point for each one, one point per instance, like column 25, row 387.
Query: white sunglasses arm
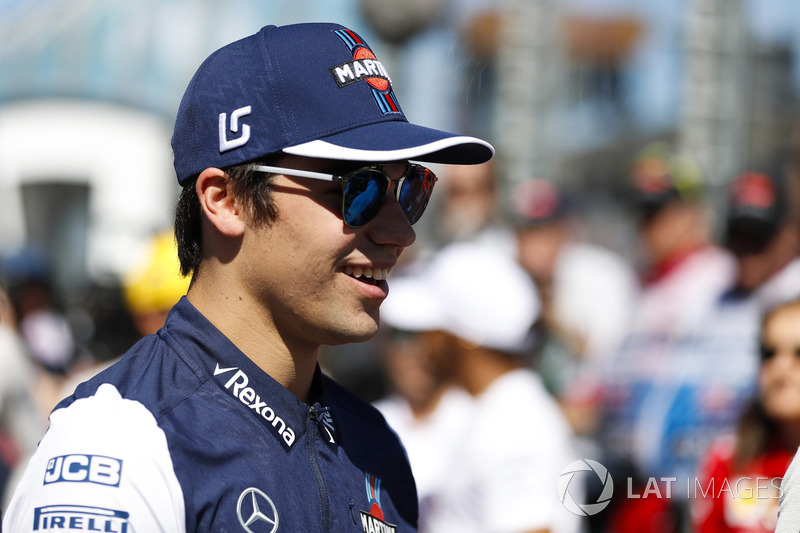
column 293, row 172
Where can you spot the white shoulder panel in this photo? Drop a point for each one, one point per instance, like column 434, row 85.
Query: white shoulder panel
column 103, row 465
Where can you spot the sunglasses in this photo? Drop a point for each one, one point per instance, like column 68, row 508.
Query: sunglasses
column 768, row 352
column 365, row 189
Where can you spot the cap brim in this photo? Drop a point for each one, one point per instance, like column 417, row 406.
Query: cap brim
column 395, row 141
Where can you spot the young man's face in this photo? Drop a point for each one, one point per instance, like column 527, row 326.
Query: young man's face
column 301, row 268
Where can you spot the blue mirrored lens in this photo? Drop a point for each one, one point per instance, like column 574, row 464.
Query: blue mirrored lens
column 415, row 193
column 363, row 196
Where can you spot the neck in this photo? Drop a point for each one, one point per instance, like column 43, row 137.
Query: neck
column 424, row 407
column 479, row 368
column 251, row 329
column 790, row 431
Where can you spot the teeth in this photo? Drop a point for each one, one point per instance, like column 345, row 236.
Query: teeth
column 374, row 273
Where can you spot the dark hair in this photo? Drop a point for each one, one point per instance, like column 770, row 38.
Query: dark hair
column 251, row 189
column 755, row 433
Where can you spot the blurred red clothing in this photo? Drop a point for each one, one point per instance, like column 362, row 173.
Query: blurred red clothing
column 742, row 500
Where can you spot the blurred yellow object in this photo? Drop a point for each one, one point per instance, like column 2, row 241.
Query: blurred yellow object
column 155, row 284
column 657, row 169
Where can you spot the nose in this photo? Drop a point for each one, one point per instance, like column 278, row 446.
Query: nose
column 390, row 225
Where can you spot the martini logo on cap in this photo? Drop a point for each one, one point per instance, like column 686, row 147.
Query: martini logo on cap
column 365, row 67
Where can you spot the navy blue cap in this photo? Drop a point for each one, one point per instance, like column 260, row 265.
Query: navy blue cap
column 537, row 202
column 313, row 90
column 757, row 210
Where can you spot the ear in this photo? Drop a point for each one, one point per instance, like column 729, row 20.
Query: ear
column 217, row 202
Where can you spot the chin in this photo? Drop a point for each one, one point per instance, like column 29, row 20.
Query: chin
column 784, row 409
column 360, row 332
column 341, row 340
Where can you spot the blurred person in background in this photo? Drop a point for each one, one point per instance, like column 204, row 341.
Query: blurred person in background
column 764, row 237
column 505, row 462
column 588, row 295
column 425, row 406
column 40, row 316
column 155, row 284
column 21, row 425
column 721, row 363
column 683, row 275
column 151, row 287
column 739, row 488
column 715, row 365
column 469, row 209
column 47, row 336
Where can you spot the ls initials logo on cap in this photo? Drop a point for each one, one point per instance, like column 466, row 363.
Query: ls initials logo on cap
column 236, row 142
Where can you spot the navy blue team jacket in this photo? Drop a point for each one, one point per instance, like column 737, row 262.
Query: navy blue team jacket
column 247, row 454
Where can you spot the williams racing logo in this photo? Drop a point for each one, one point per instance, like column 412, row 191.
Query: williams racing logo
column 373, row 521
column 365, row 67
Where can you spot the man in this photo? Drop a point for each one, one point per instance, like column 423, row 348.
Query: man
column 500, row 460
column 588, row 294
column 469, row 208
column 648, row 401
column 298, row 199
column 588, row 291
column 425, row 406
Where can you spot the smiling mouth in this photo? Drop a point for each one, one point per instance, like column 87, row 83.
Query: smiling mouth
column 371, row 276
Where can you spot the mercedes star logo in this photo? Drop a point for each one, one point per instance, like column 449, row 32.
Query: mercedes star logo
column 257, row 513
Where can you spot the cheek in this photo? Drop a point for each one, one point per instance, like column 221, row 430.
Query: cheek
column 765, row 378
column 780, row 389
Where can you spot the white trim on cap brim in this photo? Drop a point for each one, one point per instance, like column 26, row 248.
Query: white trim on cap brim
column 325, row 150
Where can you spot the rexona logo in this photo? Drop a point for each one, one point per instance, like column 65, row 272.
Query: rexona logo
column 237, row 385
column 78, row 468
column 79, row 518
column 587, row 509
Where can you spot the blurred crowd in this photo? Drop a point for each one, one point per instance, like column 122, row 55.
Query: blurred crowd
column 513, row 345
column 516, row 345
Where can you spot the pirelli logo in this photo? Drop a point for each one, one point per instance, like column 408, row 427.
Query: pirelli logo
column 79, row 518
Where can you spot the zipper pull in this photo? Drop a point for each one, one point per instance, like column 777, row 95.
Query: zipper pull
column 318, row 412
column 322, row 416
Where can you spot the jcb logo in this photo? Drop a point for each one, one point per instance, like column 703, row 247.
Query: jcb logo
column 224, row 143
column 78, row 468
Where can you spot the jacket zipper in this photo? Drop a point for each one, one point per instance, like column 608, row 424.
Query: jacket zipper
column 314, row 412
